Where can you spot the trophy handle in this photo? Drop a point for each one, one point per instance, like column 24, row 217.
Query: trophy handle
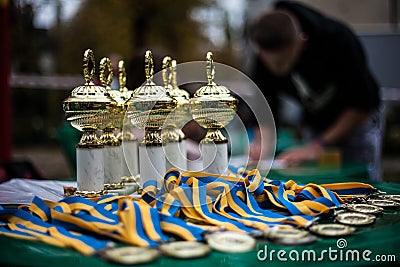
column 105, row 67
column 148, row 66
column 121, row 74
column 166, row 71
column 88, row 66
column 210, row 68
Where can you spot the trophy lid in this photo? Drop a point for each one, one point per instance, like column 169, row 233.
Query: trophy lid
column 115, row 117
column 180, row 116
column 85, row 103
column 150, row 90
column 211, row 91
column 170, row 81
column 150, row 100
column 88, row 96
column 212, row 106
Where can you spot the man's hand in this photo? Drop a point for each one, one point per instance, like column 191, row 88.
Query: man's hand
column 349, row 121
column 297, row 155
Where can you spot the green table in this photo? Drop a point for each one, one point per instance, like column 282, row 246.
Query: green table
column 381, row 238
column 313, row 173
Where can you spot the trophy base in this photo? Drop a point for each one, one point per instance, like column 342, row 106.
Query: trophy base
column 129, row 161
column 114, row 186
column 108, row 138
column 126, row 191
column 90, row 169
column 112, row 164
column 89, row 139
column 183, row 149
column 214, row 136
column 174, row 156
column 90, row 194
column 215, row 158
column 126, row 135
column 151, row 163
column 152, row 138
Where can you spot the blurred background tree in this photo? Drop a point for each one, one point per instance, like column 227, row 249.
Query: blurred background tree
column 125, row 28
column 48, row 38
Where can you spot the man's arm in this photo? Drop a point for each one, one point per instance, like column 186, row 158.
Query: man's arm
column 350, row 120
column 260, row 147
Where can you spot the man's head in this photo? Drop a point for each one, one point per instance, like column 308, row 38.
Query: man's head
column 279, row 40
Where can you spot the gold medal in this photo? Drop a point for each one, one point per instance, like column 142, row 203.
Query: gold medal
column 185, row 249
column 355, row 218
column 231, row 242
column 364, row 208
column 393, row 197
column 131, row 255
column 290, row 236
column 292, row 233
column 332, row 229
column 383, row 203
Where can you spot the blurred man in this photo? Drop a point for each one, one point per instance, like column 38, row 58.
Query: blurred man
column 320, row 62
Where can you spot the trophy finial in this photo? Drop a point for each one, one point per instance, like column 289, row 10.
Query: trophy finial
column 149, row 66
column 121, row 75
column 166, row 71
column 106, row 73
column 173, row 74
column 210, row 68
column 88, row 66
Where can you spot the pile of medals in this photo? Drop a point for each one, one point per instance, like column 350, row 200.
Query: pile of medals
column 163, row 225
column 357, row 212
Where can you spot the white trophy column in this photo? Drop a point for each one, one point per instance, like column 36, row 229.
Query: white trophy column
column 112, row 164
column 151, row 163
column 90, row 169
column 174, row 156
column 130, row 161
column 215, row 158
column 183, row 152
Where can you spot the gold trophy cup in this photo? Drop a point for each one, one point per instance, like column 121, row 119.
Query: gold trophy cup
column 87, row 109
column 213, row 107
column 148, row 108
column 130, row 157
column 175, row 139
column 112, row 145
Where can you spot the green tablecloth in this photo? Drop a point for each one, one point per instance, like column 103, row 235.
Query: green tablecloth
column 381, row 238
column 312, row 173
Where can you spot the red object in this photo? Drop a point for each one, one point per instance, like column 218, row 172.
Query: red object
column 5, row 92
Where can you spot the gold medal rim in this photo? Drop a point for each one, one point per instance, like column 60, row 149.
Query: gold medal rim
column 169, row 249
column 368, row 218
column 146, row 255
column 319, row 229
column 393, row 204
column 395, row 198
column 358, row 208
column 279, row 233
column 247, row 242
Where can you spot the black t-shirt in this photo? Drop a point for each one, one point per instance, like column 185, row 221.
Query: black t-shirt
column 330, row 75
